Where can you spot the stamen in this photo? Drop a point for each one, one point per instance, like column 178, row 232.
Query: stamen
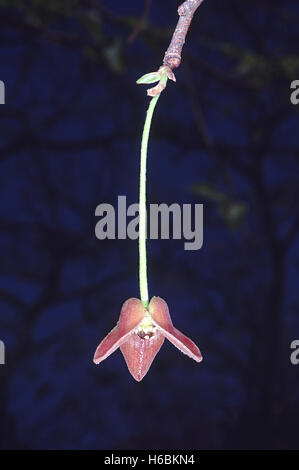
column 146, row 329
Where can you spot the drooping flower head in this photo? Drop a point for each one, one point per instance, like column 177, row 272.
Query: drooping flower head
column 140, row 333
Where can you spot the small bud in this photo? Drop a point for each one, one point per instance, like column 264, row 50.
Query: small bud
column 168, row 71
column 156, row 90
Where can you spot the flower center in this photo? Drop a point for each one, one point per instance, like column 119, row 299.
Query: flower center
column 146, row 329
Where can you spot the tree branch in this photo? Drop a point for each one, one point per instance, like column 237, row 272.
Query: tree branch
column 186, row 10
column 173, row 55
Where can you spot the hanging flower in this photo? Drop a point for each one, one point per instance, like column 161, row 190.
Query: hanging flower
column 140, row 333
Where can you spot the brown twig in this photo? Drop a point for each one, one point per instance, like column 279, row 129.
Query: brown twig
column 186, row 10
column 172, row 57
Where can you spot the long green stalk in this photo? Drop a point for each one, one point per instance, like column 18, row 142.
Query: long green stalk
column 143, row 284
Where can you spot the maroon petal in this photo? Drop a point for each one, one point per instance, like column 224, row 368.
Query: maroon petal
column 160, row 314
column 131, row 314
column 139, row 353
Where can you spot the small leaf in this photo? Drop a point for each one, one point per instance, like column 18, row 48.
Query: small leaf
column 151, row 77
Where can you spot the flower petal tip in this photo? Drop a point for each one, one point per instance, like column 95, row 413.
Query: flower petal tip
column 131, row 315
column 96, row 360
column 139, row 353
column 160, row 314
column 198, row 358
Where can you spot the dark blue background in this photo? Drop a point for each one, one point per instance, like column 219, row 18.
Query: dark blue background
column 225, row 135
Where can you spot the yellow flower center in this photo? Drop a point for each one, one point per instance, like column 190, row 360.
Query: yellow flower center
column 146, row 329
